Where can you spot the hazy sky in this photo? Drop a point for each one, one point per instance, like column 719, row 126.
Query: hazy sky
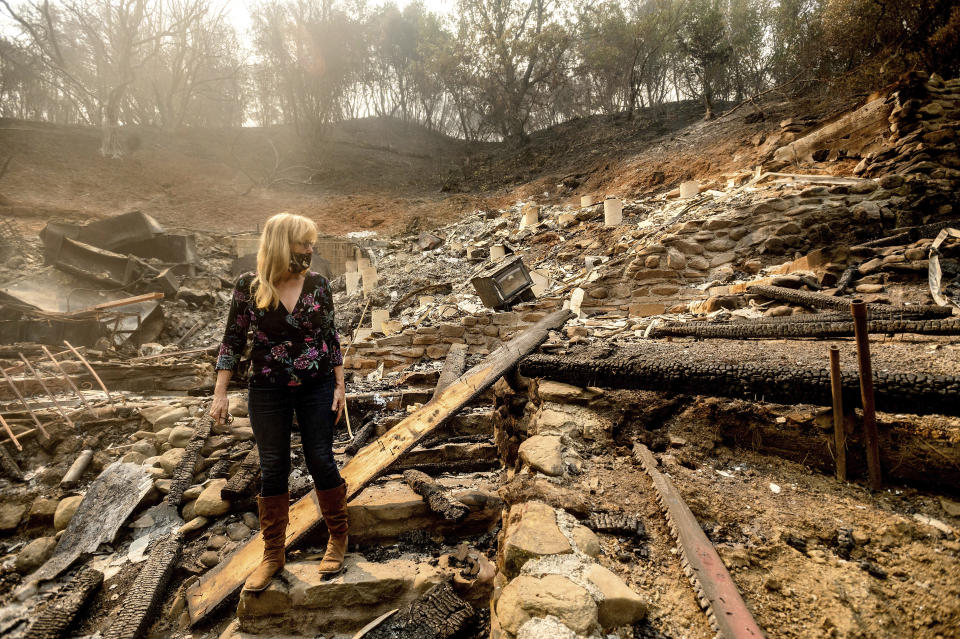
column 239, row 10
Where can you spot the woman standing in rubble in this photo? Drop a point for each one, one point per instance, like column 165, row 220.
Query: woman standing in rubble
column 296, row 366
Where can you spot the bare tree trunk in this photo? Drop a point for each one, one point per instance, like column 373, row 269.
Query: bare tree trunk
column 707, row 100
column 109, row 138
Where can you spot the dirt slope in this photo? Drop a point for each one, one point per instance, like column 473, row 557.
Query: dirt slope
column 371, row 174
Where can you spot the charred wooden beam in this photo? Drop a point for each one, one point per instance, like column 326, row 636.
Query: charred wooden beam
column 8, row 466
column 459, row 466
column 228, row 576
column 435, row 496
column 220, row 468
column 682, row 373
column 821, row 300
column 138, row 610
column 361, row 438
column 616, row 523
column 845, row 279
column 55, row 618
column 801, row 329
column 439, row 613
column 718, row 595
column 183, row 473
column 246, row 481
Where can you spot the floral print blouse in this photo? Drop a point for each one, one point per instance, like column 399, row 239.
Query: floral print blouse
column 289, row 349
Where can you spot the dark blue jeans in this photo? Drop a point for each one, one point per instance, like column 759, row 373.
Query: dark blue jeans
column 271, row 417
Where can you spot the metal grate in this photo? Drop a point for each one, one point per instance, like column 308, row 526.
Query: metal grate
column 9, row 235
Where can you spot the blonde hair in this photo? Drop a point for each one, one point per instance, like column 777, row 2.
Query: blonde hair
column 273, row 257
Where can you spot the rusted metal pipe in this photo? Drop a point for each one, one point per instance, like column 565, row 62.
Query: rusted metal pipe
column 43, row 385
column 72, row 477
column 9, row 430
column 20, row 435
column 839, row 435
column 859, row 311
column 16, row 391
column 91, row 371
column 67, row 377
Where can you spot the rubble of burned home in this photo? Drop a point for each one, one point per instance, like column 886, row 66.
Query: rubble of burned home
column 499, row 371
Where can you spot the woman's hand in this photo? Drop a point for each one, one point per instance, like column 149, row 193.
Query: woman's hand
column 339, row 400
column 220, row 409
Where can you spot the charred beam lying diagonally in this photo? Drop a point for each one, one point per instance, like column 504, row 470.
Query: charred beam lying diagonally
column 435, row 496
column 774, row 330
column 183, row 473
column 147, row 591
column 8, row 466
column 361, row 438
column 820, row 300
column 438, row 614
column 55, row 618
column 718, row 595
column 633, row 368
column 246, row 481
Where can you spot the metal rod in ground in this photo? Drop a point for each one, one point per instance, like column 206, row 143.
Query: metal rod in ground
column 67, row 377
column 84, row 361
column 859, row 310
column 16, row 391
column 9, row 430
column 839, row 434
column 43, row 385
column 353, row 338
column 20, row 435
column 718, row 595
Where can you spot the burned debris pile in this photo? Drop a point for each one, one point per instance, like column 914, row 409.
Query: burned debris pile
column 557, row 412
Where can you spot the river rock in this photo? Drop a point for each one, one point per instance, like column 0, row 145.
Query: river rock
column 145, row 448
column 619, row 606
column 586, row 541
column 180, row 436
column 10, row 516
column 169, row 460
column 250, row 520
column 65, row 511
column 543, row 453
column 170, row 417
column 238, row 531
column 527, row 597
column 531, row 532
column 35, row 554
column 133, row 457
column 41, row 512
column 238, row 406
column 573, row 421
column 194, row 525
column 210, row 503
column 543, row 627
column 209, row 558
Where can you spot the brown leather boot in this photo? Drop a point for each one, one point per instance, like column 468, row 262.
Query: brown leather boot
column 274, row 515
column 333, row 507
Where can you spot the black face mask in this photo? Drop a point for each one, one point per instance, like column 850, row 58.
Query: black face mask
column 300, row 262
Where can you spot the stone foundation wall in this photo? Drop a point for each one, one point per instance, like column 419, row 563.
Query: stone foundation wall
column 482, row 333
column 549, row 582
